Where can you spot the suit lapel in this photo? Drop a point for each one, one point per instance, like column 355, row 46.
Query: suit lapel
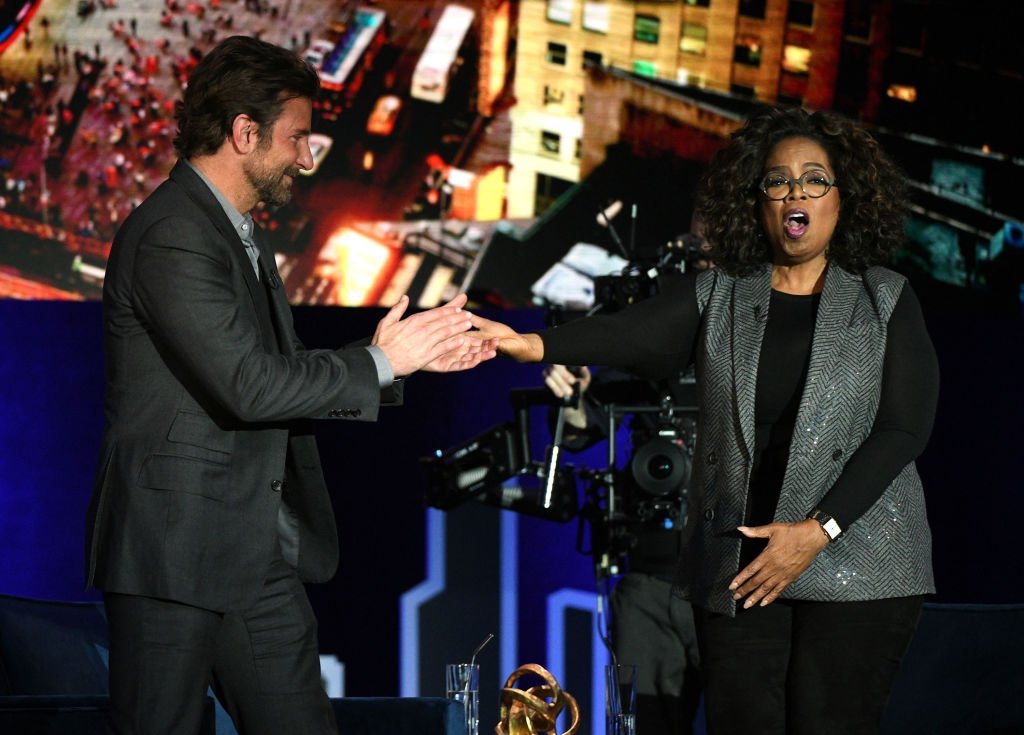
column 750, row 314
column 264, row 308
column 200, row 193
column 280, row 311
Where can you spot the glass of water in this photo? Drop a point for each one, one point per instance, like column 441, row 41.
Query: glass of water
column 620, row 699
column 462, row 684
column 623, row 724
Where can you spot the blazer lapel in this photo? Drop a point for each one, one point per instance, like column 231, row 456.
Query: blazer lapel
column 280, row 311
column 750, row 314
column 200, row 193
column 831, row 327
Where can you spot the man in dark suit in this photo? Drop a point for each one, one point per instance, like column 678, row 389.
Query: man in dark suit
column 210, row 508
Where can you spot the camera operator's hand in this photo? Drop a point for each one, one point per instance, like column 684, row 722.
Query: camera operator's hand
column 564, row 384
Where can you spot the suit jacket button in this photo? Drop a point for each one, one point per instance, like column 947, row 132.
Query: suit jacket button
column 276, row 486
column 837, row 455
column 333, row 413
column 709, row 514
column 712, row 458
column 357, row 412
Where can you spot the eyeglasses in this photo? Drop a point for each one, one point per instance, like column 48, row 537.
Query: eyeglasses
column 814, row 184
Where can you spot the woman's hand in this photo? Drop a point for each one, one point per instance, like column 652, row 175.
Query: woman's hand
column 520, row 347
column 791, row 549
column 434, row 338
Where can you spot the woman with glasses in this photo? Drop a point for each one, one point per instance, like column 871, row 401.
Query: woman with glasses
column 808, row 552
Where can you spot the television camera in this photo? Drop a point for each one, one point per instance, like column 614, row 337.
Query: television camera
column 649, row 490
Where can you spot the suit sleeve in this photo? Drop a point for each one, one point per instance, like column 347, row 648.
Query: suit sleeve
column 201, row 316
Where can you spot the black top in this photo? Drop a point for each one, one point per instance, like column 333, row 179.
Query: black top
column 781, row 374
column 659, row 334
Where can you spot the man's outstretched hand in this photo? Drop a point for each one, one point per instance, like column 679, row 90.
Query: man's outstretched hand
column 433, row 340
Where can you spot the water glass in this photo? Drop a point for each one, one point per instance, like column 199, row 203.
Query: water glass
column 623, row 725
column 462, row 684
column 620, row 699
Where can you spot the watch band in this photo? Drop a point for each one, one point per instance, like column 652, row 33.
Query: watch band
column 828, row 524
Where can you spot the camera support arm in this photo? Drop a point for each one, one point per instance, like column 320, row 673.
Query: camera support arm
column 556, row 445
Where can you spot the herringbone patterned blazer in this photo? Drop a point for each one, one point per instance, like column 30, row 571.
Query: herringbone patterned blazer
column 887, row 551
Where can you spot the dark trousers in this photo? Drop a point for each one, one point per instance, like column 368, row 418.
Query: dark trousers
column 801, row 667
column 652, row 627
column 263, row 663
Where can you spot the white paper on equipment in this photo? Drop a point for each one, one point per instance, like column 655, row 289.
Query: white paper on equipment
column 569, row 283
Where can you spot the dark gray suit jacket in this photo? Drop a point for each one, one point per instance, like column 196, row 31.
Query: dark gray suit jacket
column 208, row 389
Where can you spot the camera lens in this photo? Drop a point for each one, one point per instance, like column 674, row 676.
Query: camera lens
column 659, row 466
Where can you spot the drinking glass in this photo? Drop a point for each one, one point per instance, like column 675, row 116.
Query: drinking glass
column 620, row 699
column 462, row 684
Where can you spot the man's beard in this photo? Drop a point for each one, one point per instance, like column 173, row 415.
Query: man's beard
column 270, row 185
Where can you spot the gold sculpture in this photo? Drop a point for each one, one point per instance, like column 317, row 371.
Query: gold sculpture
column 534, row 711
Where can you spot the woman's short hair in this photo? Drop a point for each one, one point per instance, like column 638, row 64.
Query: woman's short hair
column 241, row 75
column 872, row 191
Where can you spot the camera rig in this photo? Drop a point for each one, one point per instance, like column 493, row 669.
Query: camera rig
column 639, row 280
column 649, row 492
column 613, row 503
column 496, row 467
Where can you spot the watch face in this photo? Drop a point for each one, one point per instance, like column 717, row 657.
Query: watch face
column 832, row 528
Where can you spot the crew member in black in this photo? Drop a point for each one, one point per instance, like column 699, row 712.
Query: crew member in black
column 651, row 625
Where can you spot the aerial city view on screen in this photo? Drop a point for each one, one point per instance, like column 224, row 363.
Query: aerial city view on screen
column 471, row 145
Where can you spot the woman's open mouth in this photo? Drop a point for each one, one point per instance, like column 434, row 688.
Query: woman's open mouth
column 795, row 222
